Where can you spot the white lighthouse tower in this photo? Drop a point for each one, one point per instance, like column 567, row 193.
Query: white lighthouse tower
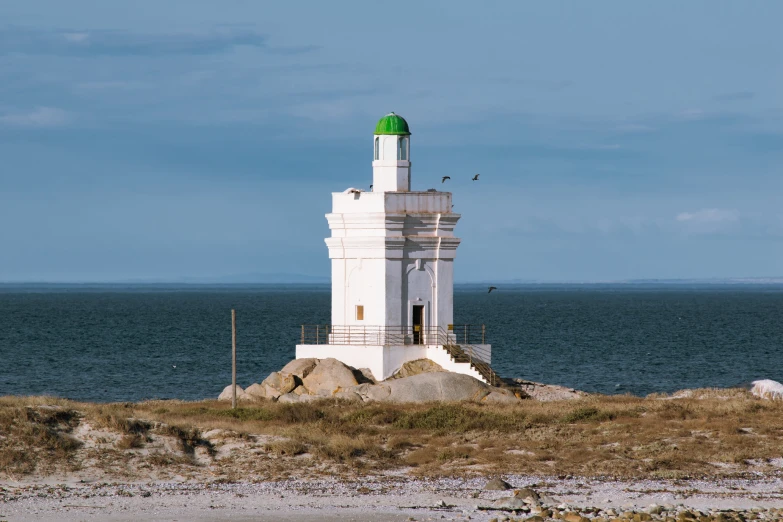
column 392, row 252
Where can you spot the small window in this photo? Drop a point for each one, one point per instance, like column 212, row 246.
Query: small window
column 377, row 147
column 360, row 312
column 402, row 149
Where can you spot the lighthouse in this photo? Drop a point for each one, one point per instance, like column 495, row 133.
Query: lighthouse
column 392, row 251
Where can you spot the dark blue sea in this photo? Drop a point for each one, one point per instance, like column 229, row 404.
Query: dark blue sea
column 114, row 343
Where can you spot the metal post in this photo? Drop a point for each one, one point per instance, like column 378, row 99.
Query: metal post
column 303, row 334
column 483, row 333
column 233, row 359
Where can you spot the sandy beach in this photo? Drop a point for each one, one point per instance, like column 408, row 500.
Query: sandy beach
column 378, row 499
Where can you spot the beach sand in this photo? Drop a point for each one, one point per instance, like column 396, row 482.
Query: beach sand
column 379, row 499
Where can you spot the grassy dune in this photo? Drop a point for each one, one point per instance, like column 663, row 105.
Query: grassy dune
column 706, row 433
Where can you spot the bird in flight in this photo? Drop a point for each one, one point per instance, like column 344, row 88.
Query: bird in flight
column 475, row 178
column 444, row 178
column 492, row 288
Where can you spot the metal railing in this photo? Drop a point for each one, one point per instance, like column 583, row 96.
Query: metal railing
column 462, row 342
column 392, row 335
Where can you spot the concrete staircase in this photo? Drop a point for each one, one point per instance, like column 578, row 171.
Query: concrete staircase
column 464, row 354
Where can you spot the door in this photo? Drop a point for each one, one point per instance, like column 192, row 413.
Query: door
column 418, row 324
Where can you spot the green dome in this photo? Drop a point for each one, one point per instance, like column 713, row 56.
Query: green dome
column 392, row 124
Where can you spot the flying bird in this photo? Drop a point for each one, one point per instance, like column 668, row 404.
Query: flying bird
column 475, row 178
column 492, row 288
column 444, row 178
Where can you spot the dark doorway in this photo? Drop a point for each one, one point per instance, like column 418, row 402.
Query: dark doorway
column 418, row 324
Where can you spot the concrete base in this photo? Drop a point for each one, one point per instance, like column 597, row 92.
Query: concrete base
column 384, row 361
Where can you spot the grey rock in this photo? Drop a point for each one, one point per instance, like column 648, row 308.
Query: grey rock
column 262, row 391
column 509, row 503
column 364, row 376
column 328, row 377
column 292, row 397
column 289, row 397
column 227, row 394
column 371, row 392
column 497, row 484
column 300, row 367
column 283, row 382
column 348, row 396
column 417, row 367
column 525, row 493
column 439, row 386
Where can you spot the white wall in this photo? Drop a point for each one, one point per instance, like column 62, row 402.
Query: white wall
column 377, row 241
column 384, row 361
column 389, row 173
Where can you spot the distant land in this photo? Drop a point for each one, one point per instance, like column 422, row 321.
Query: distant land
column 292, row 278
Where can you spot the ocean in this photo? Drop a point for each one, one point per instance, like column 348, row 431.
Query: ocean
column 129, row 343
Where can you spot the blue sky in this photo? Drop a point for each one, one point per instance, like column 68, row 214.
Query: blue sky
column 179, row 139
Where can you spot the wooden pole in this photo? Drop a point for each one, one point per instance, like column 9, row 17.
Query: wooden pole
column 233, row 359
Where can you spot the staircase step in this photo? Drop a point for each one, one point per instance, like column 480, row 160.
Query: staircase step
column 458, row 355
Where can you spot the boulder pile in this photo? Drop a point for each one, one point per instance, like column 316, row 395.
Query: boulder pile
column 416, row 381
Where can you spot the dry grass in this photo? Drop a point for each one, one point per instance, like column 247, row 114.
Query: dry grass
column 708, row 433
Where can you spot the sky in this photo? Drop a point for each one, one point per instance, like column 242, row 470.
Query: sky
column 616, row 140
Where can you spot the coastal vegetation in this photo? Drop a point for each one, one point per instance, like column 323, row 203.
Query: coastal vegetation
column 698, row 433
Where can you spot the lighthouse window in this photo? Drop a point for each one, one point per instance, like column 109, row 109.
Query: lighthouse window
column 359, row 312
column 377, row 147
column 402, row 151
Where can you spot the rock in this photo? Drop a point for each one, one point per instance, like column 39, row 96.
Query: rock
column 439, row 386
column 227, row 395
column 328, row 377
column 574, row 517
column 525, row 493
column 501, row 396
column 259, row 391
column 371, row 392
column 300, row 367
column 292, row 397
column 364, row 376
column 348, row 396
column 767, row 389
column 264, row 391
column 510, row 503
column 547, row 392
column 497, row 484
column 417, row 367
column 288, row 398
column 283, row 382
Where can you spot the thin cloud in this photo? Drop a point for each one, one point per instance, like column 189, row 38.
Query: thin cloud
column 708, row 216
column 38, row 117
column 119, row 43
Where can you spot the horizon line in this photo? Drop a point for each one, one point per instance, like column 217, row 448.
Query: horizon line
column 315, row 280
